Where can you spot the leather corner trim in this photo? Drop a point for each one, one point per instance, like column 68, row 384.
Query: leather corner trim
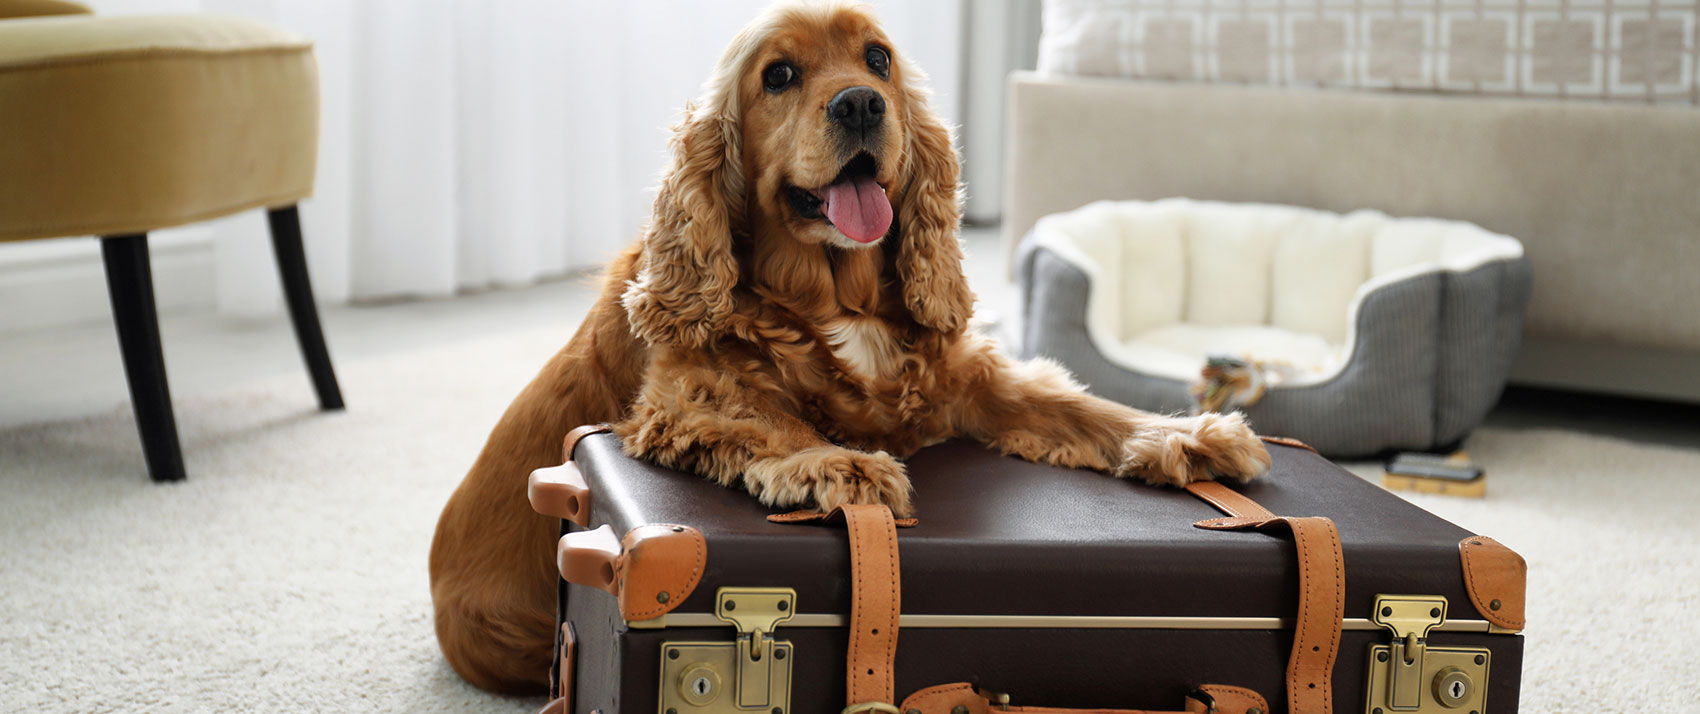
column 1289, row 441
column 834, row 517
column 555, row 706
column 1235, row 700
column 1496, row 578
column 943, row 698
column 571, row 441
column 661, row 566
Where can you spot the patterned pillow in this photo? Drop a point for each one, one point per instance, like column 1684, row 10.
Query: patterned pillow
column 1624, row 50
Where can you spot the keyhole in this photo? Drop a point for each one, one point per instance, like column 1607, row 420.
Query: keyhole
column 700, row 686
column 1457, row 689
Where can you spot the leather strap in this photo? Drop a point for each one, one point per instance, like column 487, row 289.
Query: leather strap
column 562, row 692
column 1227, row 700
column 1228, row 500
column 818, row 517
column 569, row 661
column 1322, row 600
column 1289, row 441
column 1322, row 592
column 875, row 602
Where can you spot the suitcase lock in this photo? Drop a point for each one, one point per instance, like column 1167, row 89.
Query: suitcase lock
column 752, row 673
column 1407, row 675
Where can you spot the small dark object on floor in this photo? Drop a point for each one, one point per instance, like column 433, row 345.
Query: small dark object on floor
column 1451, row 475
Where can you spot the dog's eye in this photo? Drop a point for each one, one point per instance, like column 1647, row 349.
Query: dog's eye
column 778, row 76
column 879, row 61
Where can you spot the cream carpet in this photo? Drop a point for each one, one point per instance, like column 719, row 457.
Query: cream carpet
column 288, row 573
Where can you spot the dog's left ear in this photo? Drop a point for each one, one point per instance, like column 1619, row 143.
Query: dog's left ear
column 929, row 217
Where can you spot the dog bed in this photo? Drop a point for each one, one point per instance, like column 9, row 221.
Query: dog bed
column 1375, row 333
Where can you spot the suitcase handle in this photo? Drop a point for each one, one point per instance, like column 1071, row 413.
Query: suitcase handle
column 560, row 491
column 591, row 558
column 959, row 698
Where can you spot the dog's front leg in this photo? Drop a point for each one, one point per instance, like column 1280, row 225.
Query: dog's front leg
column 727, row 427
column 1034, row 410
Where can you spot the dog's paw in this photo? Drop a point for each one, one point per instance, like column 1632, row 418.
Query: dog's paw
column 855, row 477
column 832, row 476
column 1180, row 450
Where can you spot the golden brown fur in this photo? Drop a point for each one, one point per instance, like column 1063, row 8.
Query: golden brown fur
column 744, row 342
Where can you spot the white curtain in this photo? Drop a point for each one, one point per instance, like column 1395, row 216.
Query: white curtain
column 473, row 144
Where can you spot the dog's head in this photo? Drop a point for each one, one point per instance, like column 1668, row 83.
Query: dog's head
column 824, row 129
column 813, row 128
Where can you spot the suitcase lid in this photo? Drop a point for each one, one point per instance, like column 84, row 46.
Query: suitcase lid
column 998, row 536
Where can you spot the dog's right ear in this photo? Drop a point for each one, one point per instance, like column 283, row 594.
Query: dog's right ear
column 683, row 291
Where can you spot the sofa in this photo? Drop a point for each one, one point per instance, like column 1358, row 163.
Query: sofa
column 1586, row 152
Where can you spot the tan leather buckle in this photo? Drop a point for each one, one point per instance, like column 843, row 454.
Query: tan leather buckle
column 871, row 707
column 1204, row 698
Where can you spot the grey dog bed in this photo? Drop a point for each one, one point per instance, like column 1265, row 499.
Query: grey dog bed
column 1394, row 334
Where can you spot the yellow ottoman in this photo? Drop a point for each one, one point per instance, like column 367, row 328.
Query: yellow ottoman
column 115, row 126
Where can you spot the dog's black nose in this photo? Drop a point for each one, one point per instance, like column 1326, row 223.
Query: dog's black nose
column 859, row 108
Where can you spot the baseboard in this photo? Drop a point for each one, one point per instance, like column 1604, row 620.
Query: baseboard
column 1644, row 372
column 61, row 282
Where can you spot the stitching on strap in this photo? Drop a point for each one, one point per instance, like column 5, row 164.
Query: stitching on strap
column 871, row 681
column 1315, row 593
column 1315, row 694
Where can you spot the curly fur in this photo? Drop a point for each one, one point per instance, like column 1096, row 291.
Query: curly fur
column 746, row 343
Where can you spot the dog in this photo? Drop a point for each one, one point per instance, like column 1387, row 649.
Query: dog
column 791, row 323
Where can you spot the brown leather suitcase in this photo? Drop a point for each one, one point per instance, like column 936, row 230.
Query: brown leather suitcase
column 1028, row 588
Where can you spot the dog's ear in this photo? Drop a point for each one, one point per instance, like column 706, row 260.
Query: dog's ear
column 683, row 291
column 929, row 217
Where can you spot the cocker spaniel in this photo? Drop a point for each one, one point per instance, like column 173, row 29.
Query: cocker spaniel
column 791, row 323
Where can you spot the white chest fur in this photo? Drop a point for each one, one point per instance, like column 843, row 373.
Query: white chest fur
column 865, row 345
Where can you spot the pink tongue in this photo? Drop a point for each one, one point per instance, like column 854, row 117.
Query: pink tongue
column 858, row 208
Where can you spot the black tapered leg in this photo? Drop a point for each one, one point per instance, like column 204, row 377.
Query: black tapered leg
column 129, row 281
column 292, row 265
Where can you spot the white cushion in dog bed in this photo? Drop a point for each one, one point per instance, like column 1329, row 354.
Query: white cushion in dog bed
column 1176, row 280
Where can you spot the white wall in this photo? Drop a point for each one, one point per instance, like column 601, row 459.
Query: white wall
column 416, row 140
column 1002, row 36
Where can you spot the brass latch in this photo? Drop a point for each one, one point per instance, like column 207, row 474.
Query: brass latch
column 1408, row 675
column 750, row 673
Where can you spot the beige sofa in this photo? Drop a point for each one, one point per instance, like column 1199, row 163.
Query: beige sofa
column 1604, row 196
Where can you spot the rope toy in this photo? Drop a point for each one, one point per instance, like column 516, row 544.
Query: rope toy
column 1227, row 382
